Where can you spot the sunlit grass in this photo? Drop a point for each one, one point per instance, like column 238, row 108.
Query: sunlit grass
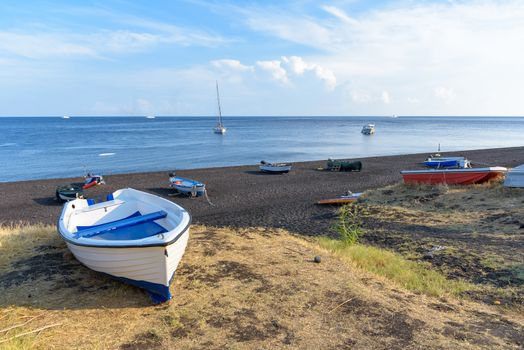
column 414, row 276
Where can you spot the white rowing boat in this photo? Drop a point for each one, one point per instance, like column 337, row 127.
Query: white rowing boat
column 134, row 236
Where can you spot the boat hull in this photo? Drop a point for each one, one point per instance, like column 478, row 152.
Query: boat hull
column 340, row 200
column 275, row 169
column 149, row 268
column 453, row 176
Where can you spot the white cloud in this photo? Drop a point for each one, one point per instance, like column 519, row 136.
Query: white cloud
column 275, row 69
column 338, row 13
column 41, row 46
column 299, row 67
column 409, row 50
column 234, row 65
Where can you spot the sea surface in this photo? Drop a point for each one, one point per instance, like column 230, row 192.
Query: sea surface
column 53, row 147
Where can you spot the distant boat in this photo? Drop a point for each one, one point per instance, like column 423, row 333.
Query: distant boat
column 368, row 129
column 66, row 117
column 453, row 176
column 136, row 237
column 150, row 117
column 275, row 168
column 394, row 116
column 191, row 188
column 219, row 128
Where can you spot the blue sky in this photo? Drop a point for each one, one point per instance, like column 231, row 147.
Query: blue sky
column 270, row 57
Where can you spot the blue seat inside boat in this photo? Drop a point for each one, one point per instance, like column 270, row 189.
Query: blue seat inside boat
column 135, row 226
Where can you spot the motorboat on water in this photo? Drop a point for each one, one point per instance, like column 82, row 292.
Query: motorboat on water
column 460, row 176
column 191, row 188
column 368, row 129
column 275, row 168
column 133, row 236
column 439, row 162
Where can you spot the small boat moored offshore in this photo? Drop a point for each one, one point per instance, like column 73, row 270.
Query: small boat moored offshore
column 368, row 129
column 348, row 198
column 136, row 237
column 275, row 168
column 191, row 188
column 219, row 128
column 452, row 176
column 439, row 162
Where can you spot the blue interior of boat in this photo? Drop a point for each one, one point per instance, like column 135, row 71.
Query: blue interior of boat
column 135, row 226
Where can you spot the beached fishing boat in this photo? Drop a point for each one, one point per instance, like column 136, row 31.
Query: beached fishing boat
column 344, row 165
column 69, row 192
column 191, row 188
column 368, row 129
column 453, row 176
column 346, row 199
column 275, row 168
column 219, row 128
column 515, row 177
column 136, row 237
column 439, row 162
column 91, row 180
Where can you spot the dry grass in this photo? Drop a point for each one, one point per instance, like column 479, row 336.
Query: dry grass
column 251, row 288
column 480, row 228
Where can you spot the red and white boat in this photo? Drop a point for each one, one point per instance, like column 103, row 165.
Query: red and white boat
column 453, row 176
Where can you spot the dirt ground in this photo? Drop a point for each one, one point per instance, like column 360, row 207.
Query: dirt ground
column 238, row 289
column 471, row 232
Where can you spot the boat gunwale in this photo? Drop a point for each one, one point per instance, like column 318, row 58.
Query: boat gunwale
column 496, row 169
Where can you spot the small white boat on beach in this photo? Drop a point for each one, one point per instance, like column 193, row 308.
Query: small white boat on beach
column 136, row 237
column 275, row 168
column 368, row 129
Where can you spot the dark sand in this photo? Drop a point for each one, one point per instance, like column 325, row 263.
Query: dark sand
column 242, row 196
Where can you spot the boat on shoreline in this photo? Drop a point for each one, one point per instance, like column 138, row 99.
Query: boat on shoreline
column 133, row 236
column 190, row 188
column 368, row 129
column 345, row 199
column 69, row 192
column 275, row 168
column 343, row 165
column 459, row 176
column 439, row 162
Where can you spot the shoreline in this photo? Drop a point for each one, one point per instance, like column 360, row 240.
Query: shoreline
column 241, row 195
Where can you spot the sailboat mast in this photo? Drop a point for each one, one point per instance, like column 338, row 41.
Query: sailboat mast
column 219, row 109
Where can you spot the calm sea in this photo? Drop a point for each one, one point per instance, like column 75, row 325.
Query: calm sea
column 50, row 147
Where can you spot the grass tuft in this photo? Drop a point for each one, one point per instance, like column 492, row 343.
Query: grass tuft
column 349, row 224
column 414, row 276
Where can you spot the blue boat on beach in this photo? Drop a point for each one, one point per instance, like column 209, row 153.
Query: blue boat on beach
column 447, row 162
column 191, row 188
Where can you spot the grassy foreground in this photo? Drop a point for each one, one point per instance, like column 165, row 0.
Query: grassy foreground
column 250, row 288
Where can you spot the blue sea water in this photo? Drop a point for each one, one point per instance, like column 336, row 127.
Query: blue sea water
column 51, row 147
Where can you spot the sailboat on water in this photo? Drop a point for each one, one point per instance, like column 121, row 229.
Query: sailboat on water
column 219, row 128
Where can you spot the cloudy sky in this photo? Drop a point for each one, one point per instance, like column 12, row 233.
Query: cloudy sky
column 347, row 57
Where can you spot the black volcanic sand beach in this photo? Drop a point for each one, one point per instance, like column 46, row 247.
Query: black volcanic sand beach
column 241, row 195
